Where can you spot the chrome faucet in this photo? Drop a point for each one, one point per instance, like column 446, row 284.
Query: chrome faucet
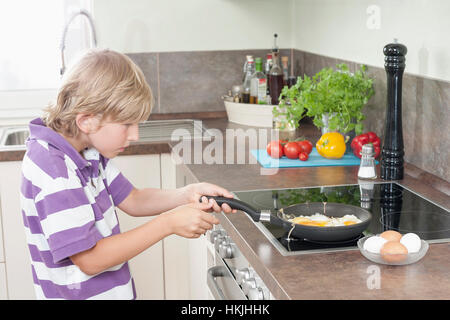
column 66, row 28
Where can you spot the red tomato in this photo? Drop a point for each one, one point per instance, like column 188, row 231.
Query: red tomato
column 303, row 156
column 291, row 150
column 310, row 144
column 305, row 146
column 275, row 149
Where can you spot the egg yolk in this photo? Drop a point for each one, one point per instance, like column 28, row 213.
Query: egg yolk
column 313, row 223
column 310, row 222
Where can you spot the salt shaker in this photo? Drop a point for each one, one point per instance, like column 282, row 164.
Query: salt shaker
column 367, row 166
column 366, row 190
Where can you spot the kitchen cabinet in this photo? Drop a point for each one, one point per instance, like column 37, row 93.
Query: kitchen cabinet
column 193, row 252
column 17, row 257
column 3, row 287
column 2, row 255
column 147, row 269
column 176, row 255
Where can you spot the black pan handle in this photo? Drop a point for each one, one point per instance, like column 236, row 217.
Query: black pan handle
column 236, row 204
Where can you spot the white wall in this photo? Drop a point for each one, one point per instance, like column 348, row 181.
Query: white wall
column 169, row 25
column 335, row 28
column 347, row 29
column 195, row 25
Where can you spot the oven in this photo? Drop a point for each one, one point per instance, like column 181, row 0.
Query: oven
column 230, row 276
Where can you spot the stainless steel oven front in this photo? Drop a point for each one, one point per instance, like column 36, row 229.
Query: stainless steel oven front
column 230, row 276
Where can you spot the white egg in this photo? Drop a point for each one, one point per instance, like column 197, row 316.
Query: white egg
column 374, row 244
column 411, row 241
column 319, row 217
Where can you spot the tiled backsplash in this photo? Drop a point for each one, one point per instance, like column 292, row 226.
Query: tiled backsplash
column 195, row 81
column 425, row 113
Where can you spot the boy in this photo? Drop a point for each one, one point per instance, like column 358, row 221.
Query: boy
column 70, row 188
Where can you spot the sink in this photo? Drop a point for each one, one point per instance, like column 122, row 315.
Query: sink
column 162, row 130
column 13, row 136
column 149, row 131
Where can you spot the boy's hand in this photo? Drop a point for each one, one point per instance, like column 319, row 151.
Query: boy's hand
column 191, row 220
column 197, row 190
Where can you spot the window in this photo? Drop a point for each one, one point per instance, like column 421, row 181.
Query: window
column 30, row 32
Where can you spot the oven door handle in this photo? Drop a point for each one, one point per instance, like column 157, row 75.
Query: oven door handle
column 213, row 272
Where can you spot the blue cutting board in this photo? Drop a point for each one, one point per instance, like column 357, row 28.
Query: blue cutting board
column 314, row 160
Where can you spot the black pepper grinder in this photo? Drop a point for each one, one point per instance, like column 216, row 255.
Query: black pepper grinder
column 393, row 149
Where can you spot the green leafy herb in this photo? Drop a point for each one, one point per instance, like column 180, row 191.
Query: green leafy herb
column 338, row 93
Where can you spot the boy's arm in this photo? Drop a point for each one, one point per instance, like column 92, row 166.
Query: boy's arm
column 189, row 221
column 150, row 201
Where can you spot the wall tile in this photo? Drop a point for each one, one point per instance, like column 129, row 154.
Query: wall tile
column 148, row 62
column 195, row 81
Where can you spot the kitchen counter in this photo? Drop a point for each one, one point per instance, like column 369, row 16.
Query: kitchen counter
column 338, row 275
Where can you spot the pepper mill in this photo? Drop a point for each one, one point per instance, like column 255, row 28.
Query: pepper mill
column 393, row 150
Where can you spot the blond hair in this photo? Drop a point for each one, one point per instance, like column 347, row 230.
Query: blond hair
column 102, row 83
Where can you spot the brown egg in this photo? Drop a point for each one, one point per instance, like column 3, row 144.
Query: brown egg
column 391, row 235
column 393, row 251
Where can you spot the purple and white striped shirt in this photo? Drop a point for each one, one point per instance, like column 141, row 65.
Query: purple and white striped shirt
column 68, row 204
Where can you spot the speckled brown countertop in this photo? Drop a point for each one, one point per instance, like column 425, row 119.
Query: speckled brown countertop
column 339, row 275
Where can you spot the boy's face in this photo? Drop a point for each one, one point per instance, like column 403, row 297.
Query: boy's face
column 111, row 138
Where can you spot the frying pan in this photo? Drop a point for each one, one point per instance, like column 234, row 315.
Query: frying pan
column 325, row 234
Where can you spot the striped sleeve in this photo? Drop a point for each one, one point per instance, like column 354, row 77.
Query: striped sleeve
column 119, row 187
column 63, row 210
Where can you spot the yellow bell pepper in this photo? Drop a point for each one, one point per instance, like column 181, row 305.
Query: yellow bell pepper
column 331, row 145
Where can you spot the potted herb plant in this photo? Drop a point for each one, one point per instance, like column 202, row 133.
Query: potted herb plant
column 334, row 99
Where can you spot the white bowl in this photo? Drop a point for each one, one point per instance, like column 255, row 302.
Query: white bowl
column 257, row 115
column 376, row 257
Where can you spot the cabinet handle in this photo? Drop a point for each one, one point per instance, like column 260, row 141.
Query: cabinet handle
column 214, row 272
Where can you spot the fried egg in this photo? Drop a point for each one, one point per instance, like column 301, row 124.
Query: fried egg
column 320, row 220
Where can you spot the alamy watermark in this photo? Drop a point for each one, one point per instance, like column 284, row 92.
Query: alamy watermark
column 374, row 17
column 374, row 279
column 213, row 146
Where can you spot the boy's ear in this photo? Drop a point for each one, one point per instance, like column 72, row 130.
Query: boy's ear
column 87, row 123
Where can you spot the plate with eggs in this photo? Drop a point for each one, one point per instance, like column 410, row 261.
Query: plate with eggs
column 393, row 248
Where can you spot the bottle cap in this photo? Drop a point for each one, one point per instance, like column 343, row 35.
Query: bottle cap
column 258, row 60
column 275, row 47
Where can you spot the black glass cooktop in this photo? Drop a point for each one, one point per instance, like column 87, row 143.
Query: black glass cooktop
column 393, row 207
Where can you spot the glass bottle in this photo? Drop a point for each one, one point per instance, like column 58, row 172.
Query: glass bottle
column 258, row 90
column 285, row 67
column 267, row 67
column 275, row 79
column 244, row 69
column 247, row 81
column 268, row 64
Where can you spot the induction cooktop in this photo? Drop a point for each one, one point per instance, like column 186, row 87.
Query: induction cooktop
column 393, row 207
